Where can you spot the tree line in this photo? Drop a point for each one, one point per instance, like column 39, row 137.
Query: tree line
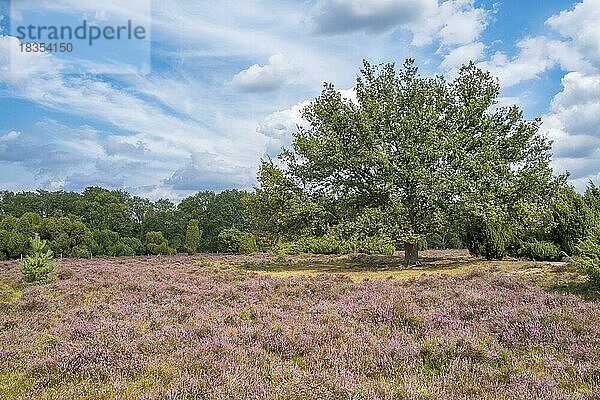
column 112, row 222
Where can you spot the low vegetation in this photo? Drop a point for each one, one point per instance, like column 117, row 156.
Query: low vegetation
column 37, row 268
column 204, row 328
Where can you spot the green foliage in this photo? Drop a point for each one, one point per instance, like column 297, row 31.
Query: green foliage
column 4, row 238
column 589, row 254
column 412, row 154
column 214, row 213
column 65, row 233
column 444, row 240
column 157, row 244
column 17, row 245
column 489, row 239
column 36, row 268
column 572, row 219
column 9, row 223
column 121, row 249
column 80, row 251
column 134, row 244
column 541, row 251
column 381, row 246
column 192, row 237
column 292, row 213
column 235, row 241
column 105, row 242
column 332, row 245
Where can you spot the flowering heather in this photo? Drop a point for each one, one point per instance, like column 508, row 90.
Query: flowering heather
column 176, row 329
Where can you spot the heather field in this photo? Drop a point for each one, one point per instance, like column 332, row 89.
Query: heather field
column 237, row 327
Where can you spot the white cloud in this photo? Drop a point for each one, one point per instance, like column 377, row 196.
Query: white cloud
column 463, row 23
column 574, row 126
column 264, row 78
column 582, row 25
column 12, row 135
column 280, row 126
column 454, row 22
column 536, row 55
column 578, row 48
column 462, row 55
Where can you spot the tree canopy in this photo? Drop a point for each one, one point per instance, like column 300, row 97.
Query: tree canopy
column 419, row 152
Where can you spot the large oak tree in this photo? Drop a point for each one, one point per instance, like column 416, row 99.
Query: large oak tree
column 422, row 151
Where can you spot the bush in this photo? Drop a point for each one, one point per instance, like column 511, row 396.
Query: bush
column 247, row 243
column 65, row 233
column 572, row 219
column 105, row 241
column 4, row 238
column 236, row 241
column 121, row 249
column 327, row 245
column 192, row 237
column 331, row 245
column 157, row 244
column 589, row 252
column 376, row 246
column 35, row 268
column 17, row 245
column 80, row 251
column 541, row 251
column 487, row 239
column 134, row 244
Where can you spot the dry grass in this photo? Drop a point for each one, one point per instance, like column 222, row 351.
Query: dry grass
column 553, row 276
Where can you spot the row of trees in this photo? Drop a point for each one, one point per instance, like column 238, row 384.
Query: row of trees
column 68, row 236
column 107, row 222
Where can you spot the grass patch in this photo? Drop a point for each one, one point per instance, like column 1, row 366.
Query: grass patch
column 9, row 293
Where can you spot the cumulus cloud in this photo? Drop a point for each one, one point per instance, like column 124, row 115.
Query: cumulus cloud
column 453, row 23
column 582, row 25
column 573, row 121
column 578, row 48
column 463, row 54
column 536, row 55
column 343, row 16
column 280, row 126
column 208, row 171
column 264, row 78
column 574, row 126
column 12, row 135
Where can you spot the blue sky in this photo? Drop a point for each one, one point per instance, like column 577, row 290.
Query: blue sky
column 226, row 81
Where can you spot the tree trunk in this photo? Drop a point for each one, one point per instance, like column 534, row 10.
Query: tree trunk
column 411, row 254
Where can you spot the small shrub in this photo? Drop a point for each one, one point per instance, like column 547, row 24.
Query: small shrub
column 331, row 245
column 325, row 245
column 36, row 268
column 236, row 241
column 541, row 251
column 247, row 243
column 192, row 237
column 121, row 249
column 157, row 244
column 80, row 251
column 382, row 246
column 589, row 252
column 487, row 239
